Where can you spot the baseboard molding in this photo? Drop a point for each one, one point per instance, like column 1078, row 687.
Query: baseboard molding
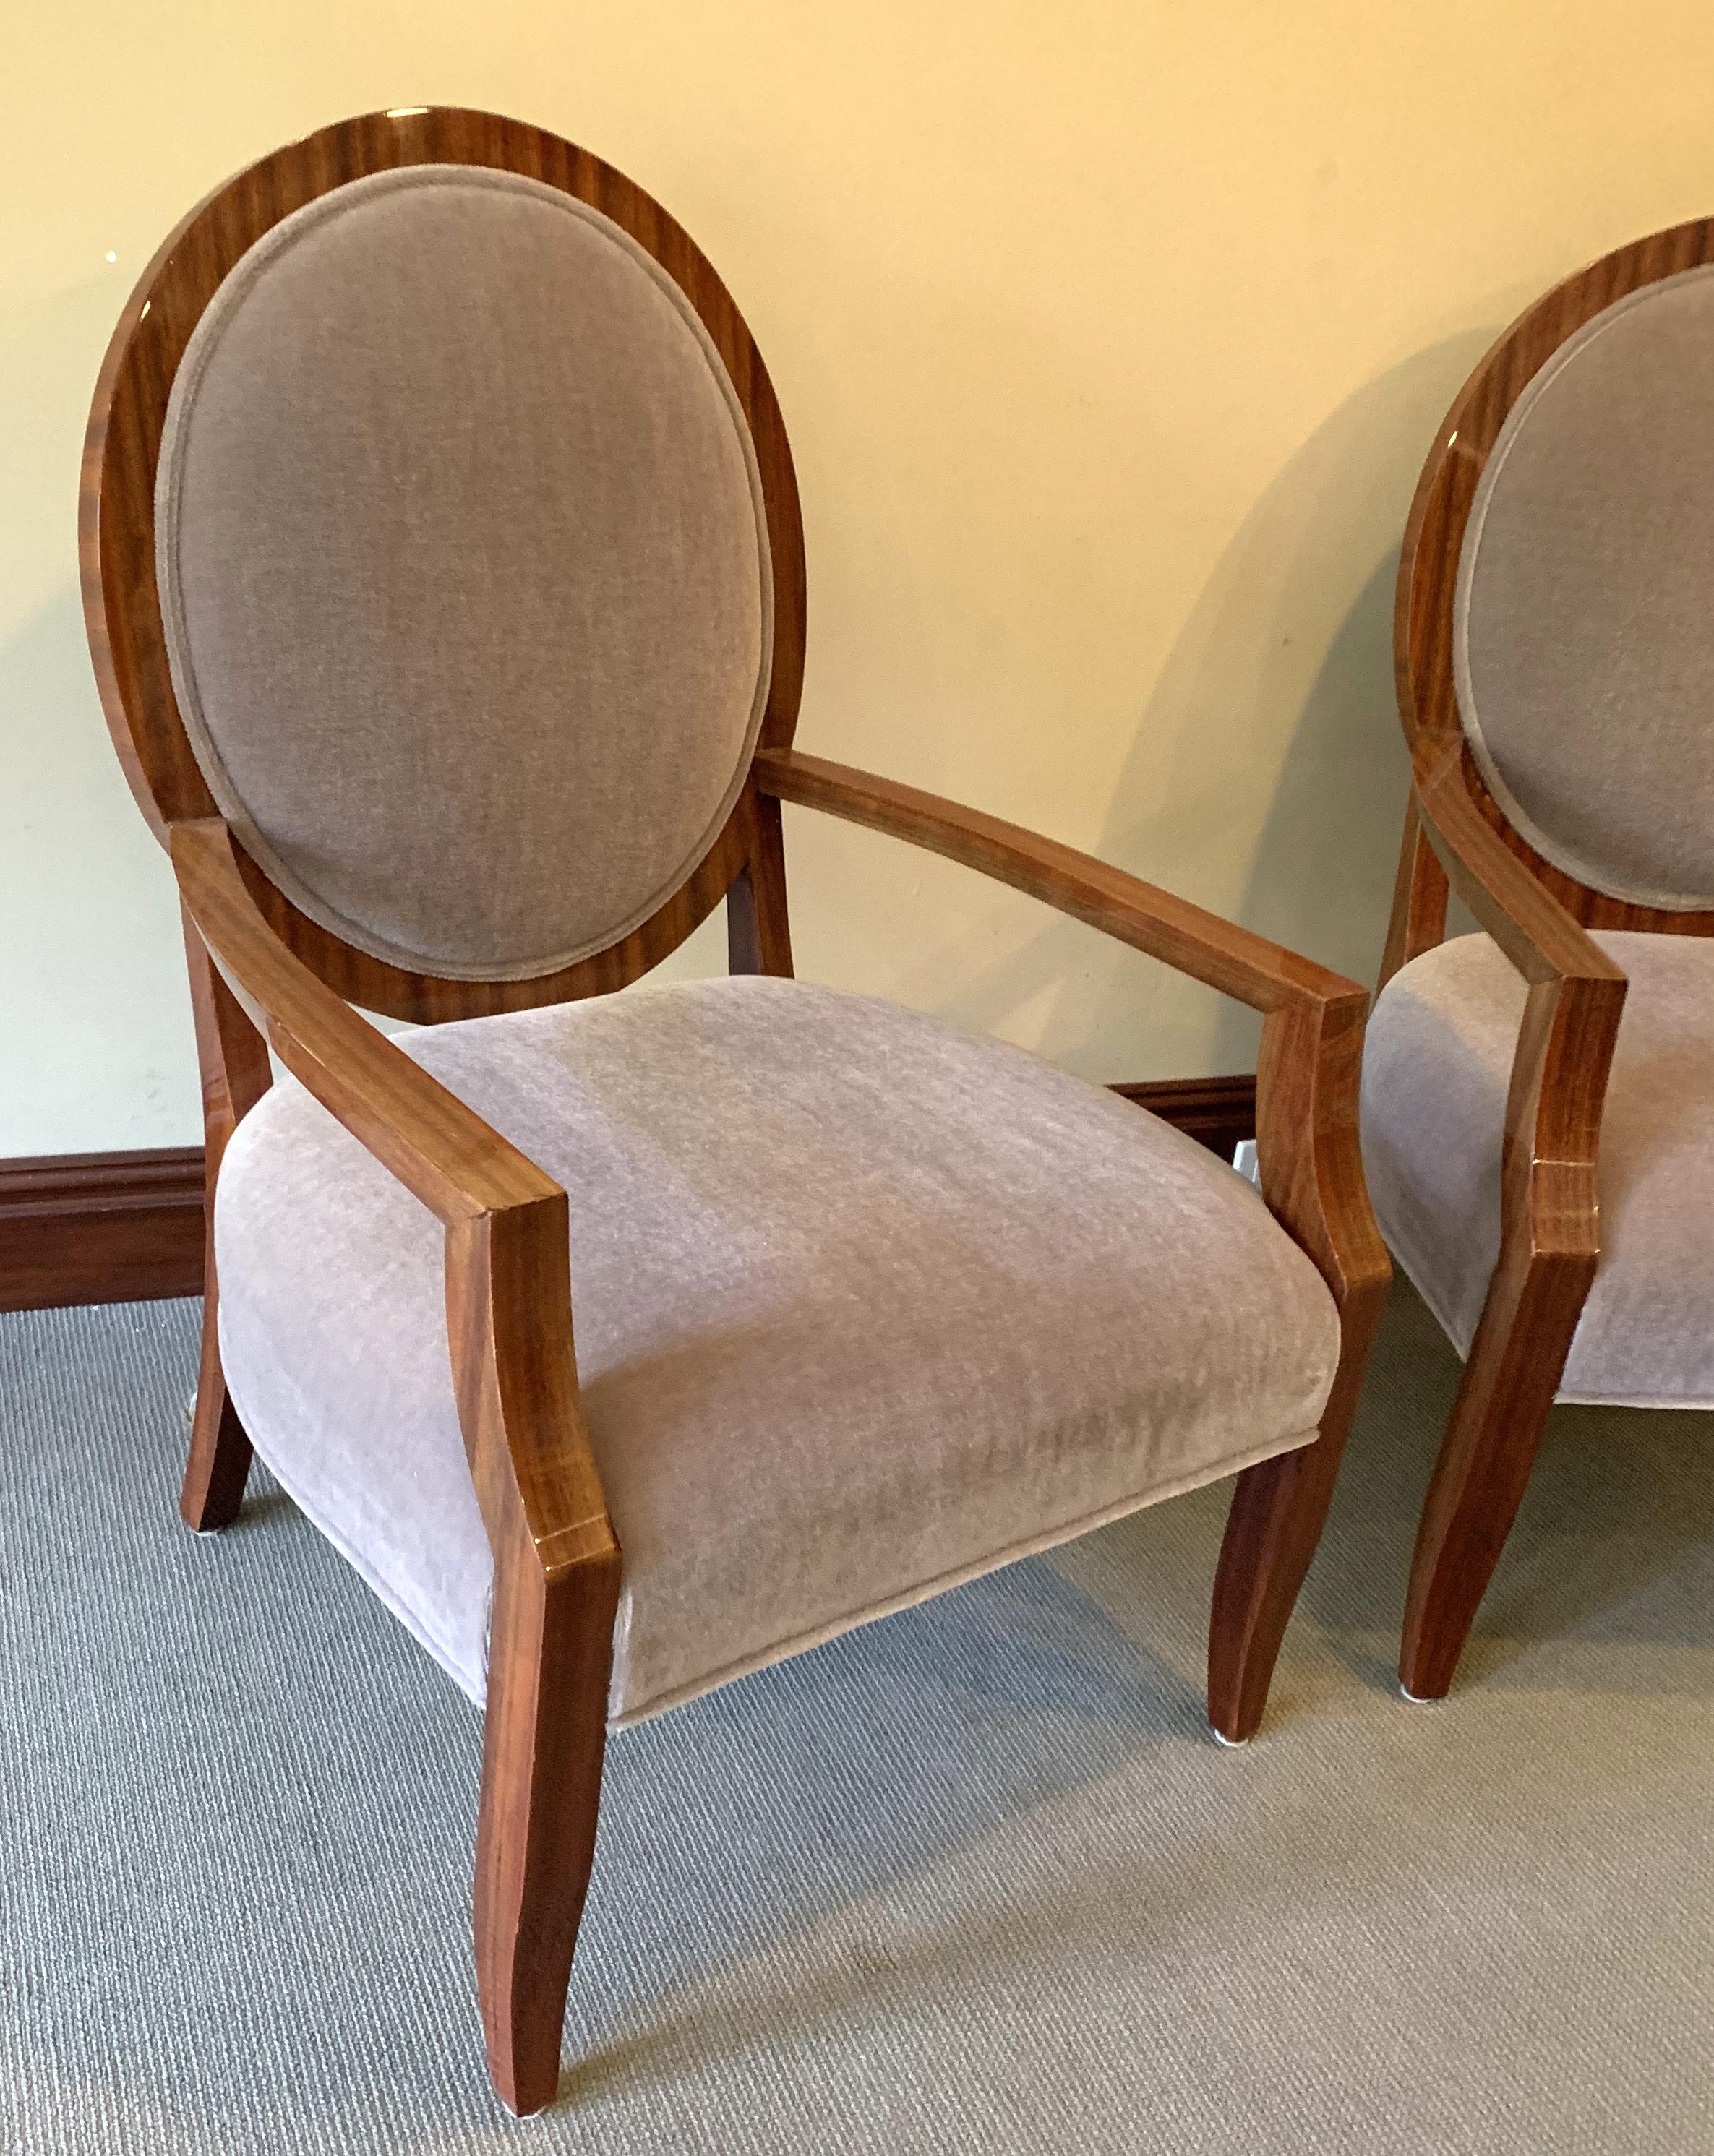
column 127, row 1227
column 1218, row 1112
column 100, row 1227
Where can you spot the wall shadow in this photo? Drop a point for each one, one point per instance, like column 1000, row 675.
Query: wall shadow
column 1284, row 663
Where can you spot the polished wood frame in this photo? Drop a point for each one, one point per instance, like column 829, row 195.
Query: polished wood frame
column 262, row 976
column 1457, row 835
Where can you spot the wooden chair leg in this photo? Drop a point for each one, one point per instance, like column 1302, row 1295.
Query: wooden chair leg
column 547, row 1729
column 1420, row 894
column 236, row 1073
column 1278, row 1511
column 219, row 1462
column 1516, row 1363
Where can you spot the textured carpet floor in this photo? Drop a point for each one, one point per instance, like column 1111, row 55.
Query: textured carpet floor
column 973, row 1879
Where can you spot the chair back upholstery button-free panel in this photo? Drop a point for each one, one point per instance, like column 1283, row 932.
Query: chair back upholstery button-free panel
column 463, row 568
column 1585, row 666
column 444, row 582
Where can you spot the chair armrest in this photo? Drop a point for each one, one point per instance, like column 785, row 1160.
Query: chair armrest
column 508, row 1286
column 1570, row 1018
column 441, row 1150
column 1306, row 1089
column 1186, row 937
column 1523, row 917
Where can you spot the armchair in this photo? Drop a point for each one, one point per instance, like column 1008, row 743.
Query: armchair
column 1538, row 1101
column 444, row 583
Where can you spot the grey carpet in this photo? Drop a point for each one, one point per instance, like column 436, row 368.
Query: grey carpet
column 973, row 1879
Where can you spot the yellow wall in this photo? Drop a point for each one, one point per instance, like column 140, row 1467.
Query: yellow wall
column 1110, row 338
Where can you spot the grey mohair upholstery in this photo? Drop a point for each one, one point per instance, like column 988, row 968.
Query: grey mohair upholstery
column 1582, row 642
column 1436, row 1067
column 464, row 571
column 863, row 1307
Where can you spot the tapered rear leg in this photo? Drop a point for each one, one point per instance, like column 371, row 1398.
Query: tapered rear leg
column 544, row 1745
column 219, row 1462
column 1515, row 1363
column 236, row 1073
column 1278, row 1510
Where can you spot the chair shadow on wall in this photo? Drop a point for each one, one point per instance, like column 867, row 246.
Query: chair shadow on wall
column 1284, row 664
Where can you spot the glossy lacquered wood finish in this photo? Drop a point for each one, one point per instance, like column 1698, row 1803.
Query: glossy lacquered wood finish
column 1306, row 1132
column 121, row 451
column 1456, row 832
column 272, row 977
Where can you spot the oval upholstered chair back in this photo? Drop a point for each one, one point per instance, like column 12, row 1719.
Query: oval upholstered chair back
column 460, row 574
column 1558, row 589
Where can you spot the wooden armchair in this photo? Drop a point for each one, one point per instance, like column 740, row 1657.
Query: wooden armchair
column 444, row 581
column 1544, row 1172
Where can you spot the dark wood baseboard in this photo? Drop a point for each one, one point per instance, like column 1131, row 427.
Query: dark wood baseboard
column 127, row 1227
column 1218, row 1112
column 100, row 1227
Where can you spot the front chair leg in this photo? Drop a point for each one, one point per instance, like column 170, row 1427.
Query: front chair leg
column 1516, row 1363
column 1278, row 1511
column 546, row 1726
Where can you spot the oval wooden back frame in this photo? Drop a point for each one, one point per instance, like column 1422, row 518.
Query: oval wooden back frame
column 116, row 524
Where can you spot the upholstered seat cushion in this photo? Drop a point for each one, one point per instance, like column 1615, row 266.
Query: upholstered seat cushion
column 1436, row 1067
column 863, row 1307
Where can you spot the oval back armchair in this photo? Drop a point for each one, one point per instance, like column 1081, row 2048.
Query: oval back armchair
column 1538, row 1101
column 444, row 582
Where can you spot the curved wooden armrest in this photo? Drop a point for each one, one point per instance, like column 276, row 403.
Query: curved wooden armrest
column 1570, row 1018
column 508, row 1283
column 1186, row 937
column 1306, row 1080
